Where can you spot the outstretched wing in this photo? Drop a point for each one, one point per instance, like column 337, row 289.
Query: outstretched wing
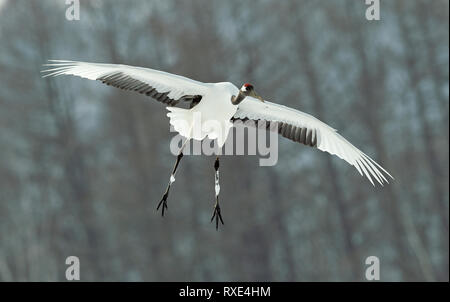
column 162, row 86
column 306, row 129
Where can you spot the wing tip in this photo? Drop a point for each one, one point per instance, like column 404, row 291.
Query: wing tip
column 384, row 181
column 56, row 67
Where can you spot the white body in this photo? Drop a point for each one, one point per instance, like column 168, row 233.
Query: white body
column 211, row 117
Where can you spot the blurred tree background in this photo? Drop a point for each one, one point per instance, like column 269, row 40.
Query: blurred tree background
column 84, row 165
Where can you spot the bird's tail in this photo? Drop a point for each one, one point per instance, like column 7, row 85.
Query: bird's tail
column 182, row 121
column 189, row 123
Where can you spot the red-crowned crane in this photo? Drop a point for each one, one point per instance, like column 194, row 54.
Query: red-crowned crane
column 221, row 102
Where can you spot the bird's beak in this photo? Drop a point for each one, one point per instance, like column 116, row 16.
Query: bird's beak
column 256, row 96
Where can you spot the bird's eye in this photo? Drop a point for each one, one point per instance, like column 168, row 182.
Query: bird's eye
column 247, row 87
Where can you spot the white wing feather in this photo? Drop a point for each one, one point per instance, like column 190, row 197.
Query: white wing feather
column 328, row 139
column 176, row 86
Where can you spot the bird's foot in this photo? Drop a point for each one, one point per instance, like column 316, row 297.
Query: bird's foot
column 163, row 203
column 217, row 215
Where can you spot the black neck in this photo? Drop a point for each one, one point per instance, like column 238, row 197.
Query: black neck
column 236, row 100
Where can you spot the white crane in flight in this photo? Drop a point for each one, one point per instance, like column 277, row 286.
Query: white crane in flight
column 221, row 102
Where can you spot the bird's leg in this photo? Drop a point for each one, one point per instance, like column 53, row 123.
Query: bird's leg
column 216, row 213
column 163, row 201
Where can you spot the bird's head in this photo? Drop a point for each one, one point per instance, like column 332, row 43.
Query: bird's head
column 247, row 90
